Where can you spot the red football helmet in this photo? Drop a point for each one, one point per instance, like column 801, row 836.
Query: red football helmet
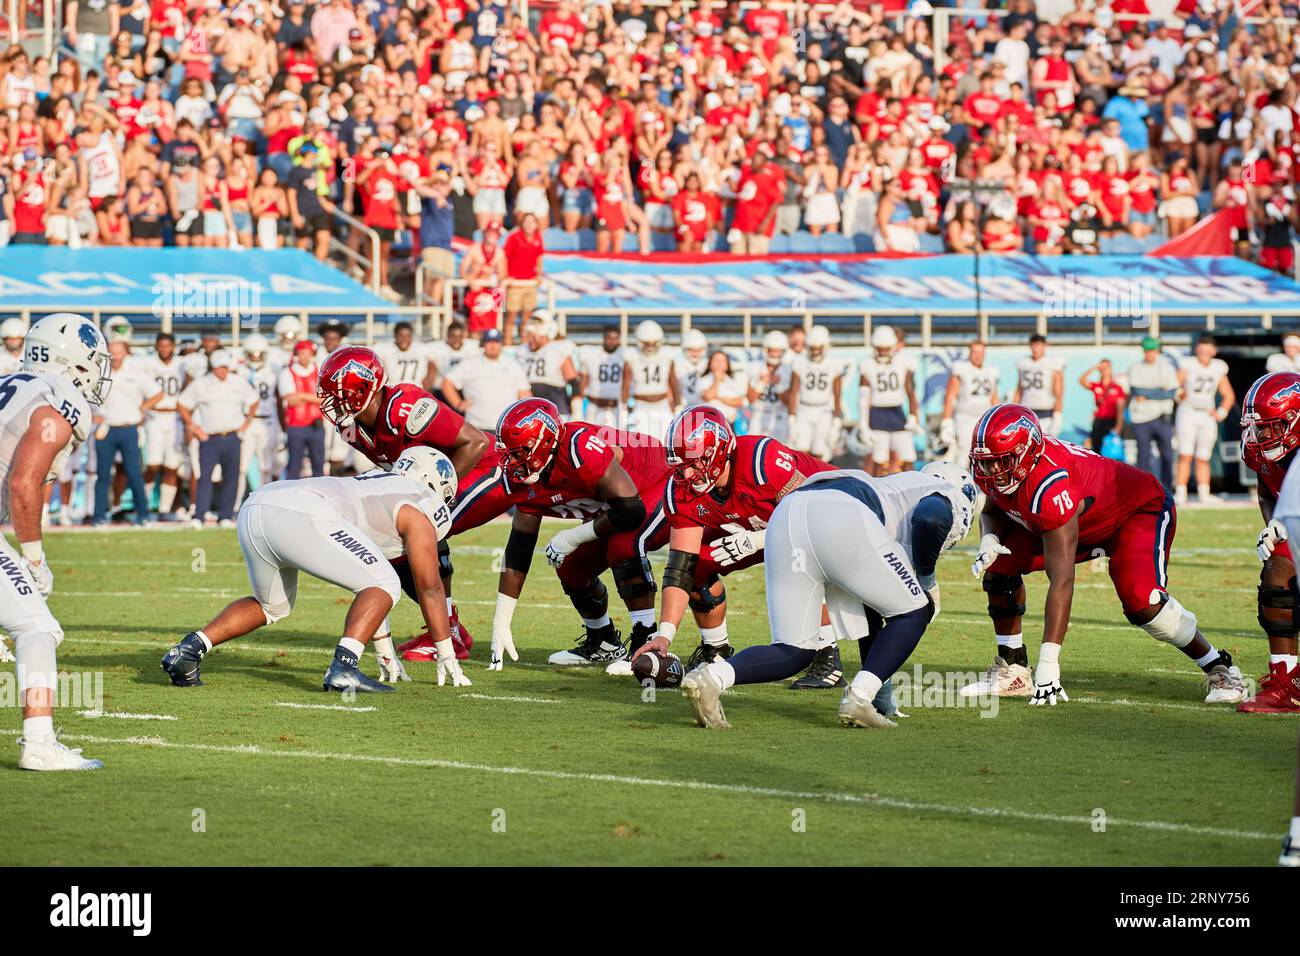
column 699, row 444
column 1005, row 447
column 528, row 434
column 1270, row 416
column 350, row 379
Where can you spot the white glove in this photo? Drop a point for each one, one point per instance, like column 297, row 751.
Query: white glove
column 792, row 428
column 1273, row 534
column 1047, row 685
column 989, row 549
column 912, row 425
column 837, row 431
column 1052, row 425
column 391, row 669
column 566, row 541
column 948, row 432
column 934, row 596
column 736, row 546
column 864, row 435
column 41, row 575
column 6, row 656
column 503, row 641
column 449, row 667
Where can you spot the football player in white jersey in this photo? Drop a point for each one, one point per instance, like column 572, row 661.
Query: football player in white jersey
column 1287, row 360
column 692, row 365
column 886, row 382
column 262, row 437
column 650, row 378
column 344, row 531
column 44, row 415
column 454, row 347
column 1040, row 384
column 288, row 330
column 405, row 360
column 818, row 418
column 548, row 361
column 773, row 390
column 602, row 381
column 12, row 332
column 163, row 432
column 1202, row 379
column 972, row 391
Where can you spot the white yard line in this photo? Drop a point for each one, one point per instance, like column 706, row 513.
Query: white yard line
column 860, row 799
column 519, row 700
column 351, row 710
column 95, row 714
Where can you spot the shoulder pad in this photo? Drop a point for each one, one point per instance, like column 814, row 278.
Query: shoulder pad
column 422, row 413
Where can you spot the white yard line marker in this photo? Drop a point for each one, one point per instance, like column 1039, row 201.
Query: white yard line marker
column 861, row 799
column 96, row 714
column 351, row 710
column 518, row 700
column 1157, row 704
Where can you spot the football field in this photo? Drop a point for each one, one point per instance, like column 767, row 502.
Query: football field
column 539, row 765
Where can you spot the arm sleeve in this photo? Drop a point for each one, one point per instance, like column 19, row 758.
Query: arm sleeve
column 931, row 522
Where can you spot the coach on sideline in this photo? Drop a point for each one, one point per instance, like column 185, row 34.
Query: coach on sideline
column 485, row 385
column 217, row 409
column 1152, row 385
column 303, row 424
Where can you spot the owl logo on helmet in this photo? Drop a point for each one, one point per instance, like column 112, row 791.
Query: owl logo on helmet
column 1029, row 422
column 1270, row 416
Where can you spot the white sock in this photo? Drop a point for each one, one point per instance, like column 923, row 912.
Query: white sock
column 866, row 685
column 1049, row 653
column 38, row 728
column 1012, row 641
column 596, row 623
column 714, row 636
column 207, row 644
column 166, row 498
column 1203, row 491
column 724, row 672
column 353, row 647
column 646, row 617
column 1295, row 824
column 449, row 607
column 1211, row 655
column 827, row 635
column 1288, row 659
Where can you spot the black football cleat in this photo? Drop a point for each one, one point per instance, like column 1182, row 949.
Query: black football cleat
column 824, row 672
column 602, row 646
column 182, row 662
column 707, row 654
column 640, row 634
column 344, row 675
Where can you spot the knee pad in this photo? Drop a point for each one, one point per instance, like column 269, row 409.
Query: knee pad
column 1278, row 613
column 591, row 601
column 1004, row 587
column 37, row 663
column 704, row 600
column 1173, row 624
column 633, row 579
column 444, row 559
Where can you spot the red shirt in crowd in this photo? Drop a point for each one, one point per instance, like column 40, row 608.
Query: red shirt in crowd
column 523, row 255
column 1107, row 398
column 756, row 194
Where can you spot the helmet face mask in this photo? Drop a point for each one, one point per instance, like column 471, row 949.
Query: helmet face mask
column 649, row 336
column 70, row 345
column 528, row 437
column 699, row 447
column 1270, row 417
column 350, row 379
column 1008, row 442
column 431, row 468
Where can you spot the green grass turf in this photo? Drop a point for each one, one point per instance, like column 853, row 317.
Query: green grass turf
column 582, row 770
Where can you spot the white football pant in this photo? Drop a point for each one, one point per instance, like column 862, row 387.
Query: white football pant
column 26, row 618
column 813, row 431
column 1196, row 432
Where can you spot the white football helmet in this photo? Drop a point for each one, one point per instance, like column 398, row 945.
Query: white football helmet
column 69, row 345
column 429, row 467
column 288, row 329
column 960, row 479
column 819, row 340
column 117, row 329
column 649, row 336
column 695, row 343
column 255, row 348
column 884, row 340
column 543, row 324
column 12, row 329
column 777, row 342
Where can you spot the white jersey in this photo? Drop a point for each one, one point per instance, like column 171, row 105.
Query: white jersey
column 817, row 380
column 169, row 377
column 264, row 380
column 404, row 366
column 769, row 401
column 21, row 394
column 445, row 358
column 194, row 365
column 604, row 371
column 688, row 378
column 545, row 365
column 976, row 386
column 1278, row 362
column 10, row 361
column 1035, row 378
column 886, row 380
column 650, row 373
column 369, row 501
column 103, row 171
column 899, row 495
column 1201, row 382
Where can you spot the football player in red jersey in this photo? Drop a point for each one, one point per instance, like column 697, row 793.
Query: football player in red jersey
column 1270, row 434
column 381, row 421
column 1051, row 505
column 614, row 478
column 718, row 503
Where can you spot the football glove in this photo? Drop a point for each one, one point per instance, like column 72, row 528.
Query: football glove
column 1047, row 685
column 391, row 669
column 6, row 656
column 948, row 432
column 912, row 425
column 503, row 643
column 1273, row 534
column 41, row 575
column 449, row 667
column 566, row 541
column 736, row 546
column 989, row 550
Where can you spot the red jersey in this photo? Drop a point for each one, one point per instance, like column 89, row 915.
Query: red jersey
column 1107, row 398
column 408, row 416
column 982, row 109
column 523, row 255
column 586, row 452
column 763, row 472
column 756, row 194
column 1069, row 481
column 1270, row 473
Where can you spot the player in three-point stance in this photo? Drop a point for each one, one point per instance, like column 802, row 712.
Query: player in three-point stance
column 1270, row 434
column 612, row 478
column 866, row 548
column 44, row 416
column 344, row 531
column 1051, row 505
column 381, row 421
column 718, row 503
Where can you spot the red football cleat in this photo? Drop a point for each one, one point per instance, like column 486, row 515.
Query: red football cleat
column 458, row 627
column 421, row 648
column 1279, row 692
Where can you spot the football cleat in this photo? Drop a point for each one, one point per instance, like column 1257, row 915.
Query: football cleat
column 421, row 648
column 344, row 675
column 1001, row 680
column 857, row 711
column 52, row 755
column 707, row 654
column 596, row 647
column 824, row 673
column 1224, row 682
column 1290, row 852
column 1279, row 692
column 640, row 634
column 182, row 662
column 459, row 630
column 703, row 692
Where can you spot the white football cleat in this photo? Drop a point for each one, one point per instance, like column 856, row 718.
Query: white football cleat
column 1290, row 853
column 857, row 711
column 620, row 668
column 52, row 755
column 1001, row 680
column 1226, row 685
column 704, row 693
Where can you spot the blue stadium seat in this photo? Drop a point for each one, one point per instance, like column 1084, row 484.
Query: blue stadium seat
column 557, row 240
column 834, row 243
column 630, row 243
column 720, row 243
column 780, row 244
column 1205, row 202
column 931, row 243
column 663, row 242
column 862, row 242
column 587, row 240
column 803, row 241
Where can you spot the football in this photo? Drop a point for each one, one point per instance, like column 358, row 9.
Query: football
column 664, row 669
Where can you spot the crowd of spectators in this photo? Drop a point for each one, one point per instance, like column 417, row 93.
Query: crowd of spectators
column 675, row 126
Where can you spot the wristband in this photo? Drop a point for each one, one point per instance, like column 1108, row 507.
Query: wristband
column 33, row 551
column 505, row 612
column 582, row 534
column 667, row 631
column 446, row 652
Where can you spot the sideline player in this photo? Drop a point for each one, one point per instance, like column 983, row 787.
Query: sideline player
column 1201, row 379
column 817, row 413
column 1051, row 505
column 1040, row 384
column 773, row 390
column 649, row 377
column 602, row 380
column 887, row 380
column 693, row 365
column 1270, row 434
column 44, row 415
column 548, row 361
column 343, row 531
column 614, row 479
column 1287, row 360
column 865, row 547
column 406, row 360
column 164, row 447
column 12, row 332
column 972, row 391
column 262, row 438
